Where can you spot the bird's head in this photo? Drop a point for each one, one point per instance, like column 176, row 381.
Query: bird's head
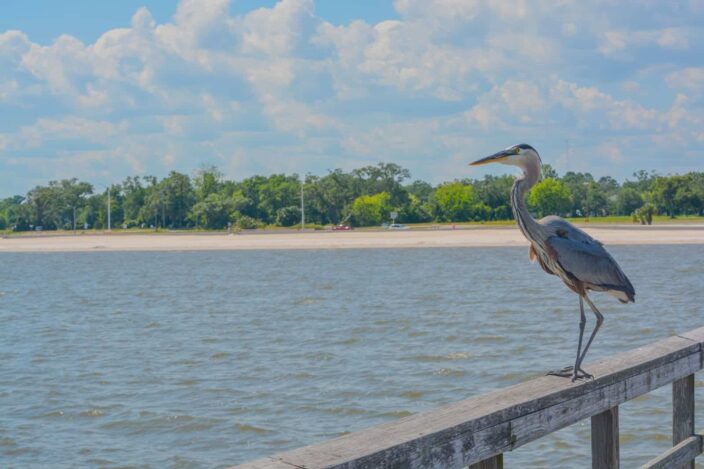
column 522, row 155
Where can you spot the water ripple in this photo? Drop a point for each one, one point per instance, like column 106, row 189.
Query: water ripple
column 207, row 359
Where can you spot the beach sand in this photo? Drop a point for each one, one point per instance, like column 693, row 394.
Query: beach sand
column 465, row 237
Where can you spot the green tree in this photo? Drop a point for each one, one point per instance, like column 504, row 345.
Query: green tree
column 415, row 211
column 455, row 201
column 213, row 212
column 329, row 198
column 14, row 213
column 276, row 192
column 177, row 198
column 578, row 185
column 420, row 189
column 494, row 191
column 288, row 216
column 384, row 177
column 664, row 192
column 549, row 171
column 207, row 181
column 550, row 197
column 368, row 210
column 595, row 202
column 628, row 200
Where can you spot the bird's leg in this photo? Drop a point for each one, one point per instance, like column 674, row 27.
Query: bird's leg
column 578, row 361
column 574, row 371
column 599, row 322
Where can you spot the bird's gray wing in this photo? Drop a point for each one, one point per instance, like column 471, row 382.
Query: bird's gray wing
column 561, row 227
column 586, row 260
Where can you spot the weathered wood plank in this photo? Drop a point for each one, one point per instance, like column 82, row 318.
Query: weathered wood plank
column 605, row 453
column 683, row 412
column 497, row 462
column 696, row 335
column 679, row 455
column 473, row 430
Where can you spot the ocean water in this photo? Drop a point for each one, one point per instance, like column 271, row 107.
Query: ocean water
column 207, row 359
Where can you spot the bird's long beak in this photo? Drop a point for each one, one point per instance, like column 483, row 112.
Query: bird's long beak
column 495, row 158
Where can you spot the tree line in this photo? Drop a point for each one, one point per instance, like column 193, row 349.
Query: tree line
column 361, row 197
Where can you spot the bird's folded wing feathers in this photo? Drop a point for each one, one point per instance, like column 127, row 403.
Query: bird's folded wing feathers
column 589, row 262
column 561, row 227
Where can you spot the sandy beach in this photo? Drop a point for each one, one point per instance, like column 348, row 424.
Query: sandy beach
column 467, row 237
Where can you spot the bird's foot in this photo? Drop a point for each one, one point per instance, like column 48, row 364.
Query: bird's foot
column 566, row 372
column 569, row 372
column 581, row 374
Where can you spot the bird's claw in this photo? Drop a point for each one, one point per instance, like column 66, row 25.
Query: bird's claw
column 566, row 372
column 581, row 374
column 569, row 372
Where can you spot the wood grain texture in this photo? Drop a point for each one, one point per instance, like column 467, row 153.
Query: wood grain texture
column 605, row 451
column 496, row 462
column 677, row 456
column 683, row 412
column 473, row 430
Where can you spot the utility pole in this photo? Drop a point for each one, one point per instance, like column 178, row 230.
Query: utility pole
column 109, row 226
column 303, row 209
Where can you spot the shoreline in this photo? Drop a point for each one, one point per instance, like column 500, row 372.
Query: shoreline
column 504, row 236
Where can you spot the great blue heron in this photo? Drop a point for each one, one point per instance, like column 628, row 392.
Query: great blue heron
column 562, row 249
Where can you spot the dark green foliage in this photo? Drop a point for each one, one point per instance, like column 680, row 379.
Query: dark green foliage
column 288, row 216
column 363, row 196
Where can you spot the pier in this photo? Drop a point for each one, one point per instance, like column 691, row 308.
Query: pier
column 476, row 432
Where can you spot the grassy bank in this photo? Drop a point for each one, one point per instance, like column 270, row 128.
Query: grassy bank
column 616, row 220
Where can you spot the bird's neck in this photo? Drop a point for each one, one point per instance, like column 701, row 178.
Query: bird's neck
column 530, row 228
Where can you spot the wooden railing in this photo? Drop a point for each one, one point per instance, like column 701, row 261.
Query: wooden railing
column 477, row 431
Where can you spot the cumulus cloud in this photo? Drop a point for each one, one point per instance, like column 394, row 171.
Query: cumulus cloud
column 282, row 87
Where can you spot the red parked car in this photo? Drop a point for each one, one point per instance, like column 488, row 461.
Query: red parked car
column 342, row 228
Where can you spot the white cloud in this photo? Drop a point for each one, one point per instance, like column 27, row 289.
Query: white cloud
column 690, row 78
column 439, row 11
column 620, row 114
column 249, row 91
column 69, row 128
column 614, row 42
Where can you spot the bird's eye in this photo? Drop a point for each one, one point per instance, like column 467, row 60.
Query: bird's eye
column 517, row 150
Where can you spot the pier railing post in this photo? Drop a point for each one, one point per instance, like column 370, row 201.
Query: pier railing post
column 495, row 462
column 683, row 412
column 605, row 440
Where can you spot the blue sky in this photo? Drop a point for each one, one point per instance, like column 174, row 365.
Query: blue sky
column 103, row 90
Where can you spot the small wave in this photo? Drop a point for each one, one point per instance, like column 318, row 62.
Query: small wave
column 397, row 414
column 450, row 372
column 92, row 413
column 440, row 358
column 346, row 411
column 187, row 382
column 8, row 442
column 320, row 356
column 562, row 444
column 244, row 427
column 412, row 394
column 308, row 300
column 626, row 437
column 490, row 339
column 219, row 356
column 53, row 414
column 350, row 341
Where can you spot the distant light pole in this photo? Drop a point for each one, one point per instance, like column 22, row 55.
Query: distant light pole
column 109, row 225
column 303, row 209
